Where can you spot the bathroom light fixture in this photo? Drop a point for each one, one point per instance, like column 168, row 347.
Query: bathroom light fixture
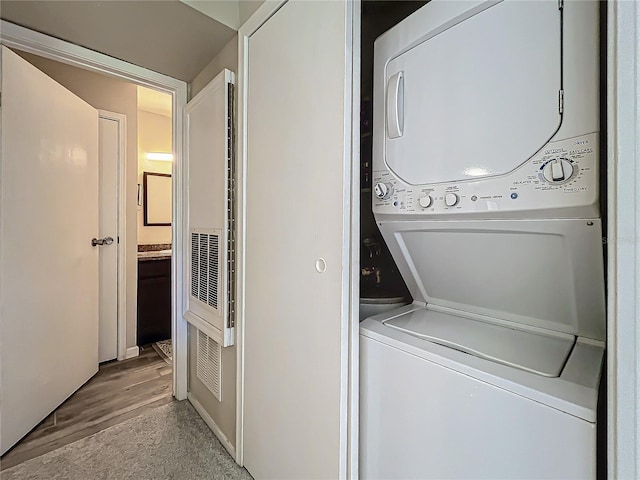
column 163, row 157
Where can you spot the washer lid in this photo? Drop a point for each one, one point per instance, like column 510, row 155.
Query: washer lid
column 531, row 351
column 541, row 273
column 477, row 97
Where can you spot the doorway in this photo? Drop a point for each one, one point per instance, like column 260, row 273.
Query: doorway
column 178, row 90
column 154, row 219
column 135, row 130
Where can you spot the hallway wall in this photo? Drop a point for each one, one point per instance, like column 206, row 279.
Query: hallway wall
column 223, row 413
column 117, row 96
column 227, row 58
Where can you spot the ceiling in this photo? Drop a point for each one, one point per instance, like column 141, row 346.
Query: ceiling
column 166, row 36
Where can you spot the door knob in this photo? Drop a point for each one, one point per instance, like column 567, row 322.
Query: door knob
column 101, row 241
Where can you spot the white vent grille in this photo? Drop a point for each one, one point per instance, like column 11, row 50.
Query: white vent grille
column 194, row 264
column 204, row 267
column 209, row 364
column 213, row 269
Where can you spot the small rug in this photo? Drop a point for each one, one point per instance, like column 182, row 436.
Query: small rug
column 164, row 349
column 168, row 442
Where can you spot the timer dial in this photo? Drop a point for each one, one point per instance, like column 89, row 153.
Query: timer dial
column 558, row 170
column 426, row 201
column 450, row 199
column 383, row 190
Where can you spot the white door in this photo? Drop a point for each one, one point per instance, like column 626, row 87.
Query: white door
column 461, row 133
column 109, row 143
column 208, row 167
column 296, row 254
column 48, row 268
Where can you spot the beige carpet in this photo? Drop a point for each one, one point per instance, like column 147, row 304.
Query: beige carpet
column 169, row 442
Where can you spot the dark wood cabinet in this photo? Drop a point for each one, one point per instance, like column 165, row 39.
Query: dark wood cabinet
column 154, row 300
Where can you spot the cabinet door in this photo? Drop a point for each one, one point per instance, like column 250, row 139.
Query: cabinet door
column 297, row 132
column 154, row 301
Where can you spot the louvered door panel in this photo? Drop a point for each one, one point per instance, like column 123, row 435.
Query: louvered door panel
column 205, row 271
column 209, row 163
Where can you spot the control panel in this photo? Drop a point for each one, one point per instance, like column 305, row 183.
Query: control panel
column 563, row 174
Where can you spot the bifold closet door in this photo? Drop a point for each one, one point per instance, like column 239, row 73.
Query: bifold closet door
column 298, row 184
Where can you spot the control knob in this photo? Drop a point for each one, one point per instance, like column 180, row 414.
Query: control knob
column 450, row 199
column 383, row 190
column 426, row 201
column 558, row 170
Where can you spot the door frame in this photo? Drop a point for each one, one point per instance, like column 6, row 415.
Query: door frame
column 121, row 345
column 623, row 242
column 351, row 259
column 14, row 36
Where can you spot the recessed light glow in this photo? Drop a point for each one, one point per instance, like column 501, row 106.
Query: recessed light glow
column 162, row 157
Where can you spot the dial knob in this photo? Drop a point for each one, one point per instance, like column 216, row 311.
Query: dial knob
column 383, row 190
column 450, row 199
column 558, row 170
column 426, row 201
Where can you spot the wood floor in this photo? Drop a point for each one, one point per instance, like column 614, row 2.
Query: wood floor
column 119, row 391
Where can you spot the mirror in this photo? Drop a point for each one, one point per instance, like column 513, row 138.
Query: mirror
column 157, row 199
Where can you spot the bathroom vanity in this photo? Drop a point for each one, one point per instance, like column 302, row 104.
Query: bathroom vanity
column 154, row 296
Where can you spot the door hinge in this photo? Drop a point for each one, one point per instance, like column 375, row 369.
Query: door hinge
column 560, row 4
column 560, row 101
column 231, row 155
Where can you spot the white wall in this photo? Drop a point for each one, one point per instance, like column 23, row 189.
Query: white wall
column 223, row 413
column 117, row 96
column 154, row 135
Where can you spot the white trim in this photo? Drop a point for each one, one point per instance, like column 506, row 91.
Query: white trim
column 180, row 327
column 623, row 167
column 39, row 44
column 131, row 352
column 348, row 465
column 15, row 36
column 353, row 414
column 205, row 327
column 121, row 120
column 212, row 425
column 264, row 12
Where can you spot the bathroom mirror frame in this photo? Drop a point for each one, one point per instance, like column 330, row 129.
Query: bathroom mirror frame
column 157, row 199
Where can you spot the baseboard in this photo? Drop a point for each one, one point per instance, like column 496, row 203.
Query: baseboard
column 212, row 425
column 132, row 352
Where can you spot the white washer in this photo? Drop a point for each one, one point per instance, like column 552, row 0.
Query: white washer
column 486, row 191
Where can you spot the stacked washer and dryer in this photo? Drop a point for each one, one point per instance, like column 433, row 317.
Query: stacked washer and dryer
column 486, row 185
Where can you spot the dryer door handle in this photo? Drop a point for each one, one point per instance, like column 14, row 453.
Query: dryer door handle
column 395, row 105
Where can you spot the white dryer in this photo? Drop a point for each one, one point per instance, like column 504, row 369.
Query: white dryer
column 486, row 191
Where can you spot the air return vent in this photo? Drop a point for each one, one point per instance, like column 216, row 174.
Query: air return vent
column 204, row 267
column 209, row 363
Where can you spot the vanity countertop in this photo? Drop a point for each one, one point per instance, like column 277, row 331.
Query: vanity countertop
column 154, row 255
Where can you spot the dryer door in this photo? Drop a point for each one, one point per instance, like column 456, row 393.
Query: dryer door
column 477, row 99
